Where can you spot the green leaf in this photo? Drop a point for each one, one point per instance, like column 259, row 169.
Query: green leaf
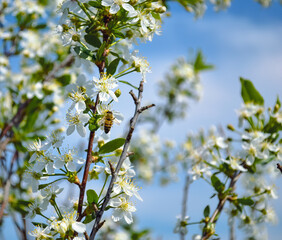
column 217, row 184
column 88, row 219
column 200, row 64
column 95, row 4
column 118, row 34
column 93, row 40
column 111, row 145
column 84, row 53
column 113, row 66
column 125, row 82
column 249, row 92
column 207, row 211
column 92, row 196
column 101, row 51
column 64, row 80
column 246, row 201
column 30, row 121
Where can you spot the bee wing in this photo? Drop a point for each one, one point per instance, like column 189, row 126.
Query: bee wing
column 118, row 117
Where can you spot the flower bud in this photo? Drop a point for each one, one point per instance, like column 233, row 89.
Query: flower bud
column 276, row 108
column 129, row 34
column 230, row 127
column 117, row 93
column 100, row 143
column 76, row 38
column 118, row 152
column 161, row 9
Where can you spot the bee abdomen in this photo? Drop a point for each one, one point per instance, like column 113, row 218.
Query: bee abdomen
column 109, row 118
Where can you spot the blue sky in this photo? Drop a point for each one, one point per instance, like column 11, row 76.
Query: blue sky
column 244, row 40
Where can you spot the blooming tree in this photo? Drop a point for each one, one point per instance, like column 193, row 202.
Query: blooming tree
column 76, row 57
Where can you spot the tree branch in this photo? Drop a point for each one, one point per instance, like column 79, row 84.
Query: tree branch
column 87, row 166
column 7, row 186
column 220, row 205
column 133, row 121
column 184, row 203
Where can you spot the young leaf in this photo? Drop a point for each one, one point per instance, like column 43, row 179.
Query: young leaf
column 217, row 184
column 88, row 219
column 84, row 53
column 249, row 92
column 111, row 145
column 92, row 196
column 101, row 51
column 207, row 211
column 113, row 66
column 95, row 4
column 199, row 63
column 93, row 40
column 246, row 201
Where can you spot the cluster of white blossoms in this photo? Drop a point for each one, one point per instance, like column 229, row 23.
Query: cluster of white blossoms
column 64, row 226
column 124, row 188
column 91, row 107
column 44, row 164
column 140, row 21
column 253, row 154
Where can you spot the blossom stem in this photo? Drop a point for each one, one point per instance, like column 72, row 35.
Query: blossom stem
column 45, row 217
column 83, row 45
column 57, row 209
column 117, row 75
column 126, row 73
column 192, row 223
column 84, row 10
column 106, row 179
column 58, row 149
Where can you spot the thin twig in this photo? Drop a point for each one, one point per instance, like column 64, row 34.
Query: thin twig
column 7, row 186
column 66, row 63
column 21, row 110
column 16, row 119
column 133, row 121
column 221, row 203
column 184, row 203
column 232, row 229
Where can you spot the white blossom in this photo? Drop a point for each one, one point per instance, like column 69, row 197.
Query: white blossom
column 116, row 4
column 69, row 159
column 104, row 85
column 122, row 209
column 76, row 121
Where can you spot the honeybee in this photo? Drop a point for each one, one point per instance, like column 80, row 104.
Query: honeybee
column 109, row 120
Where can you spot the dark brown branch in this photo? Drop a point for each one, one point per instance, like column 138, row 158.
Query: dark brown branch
column 112, row 168
column 21, row 111
column 133, row 121
column 87, row 166
column 16, row 119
